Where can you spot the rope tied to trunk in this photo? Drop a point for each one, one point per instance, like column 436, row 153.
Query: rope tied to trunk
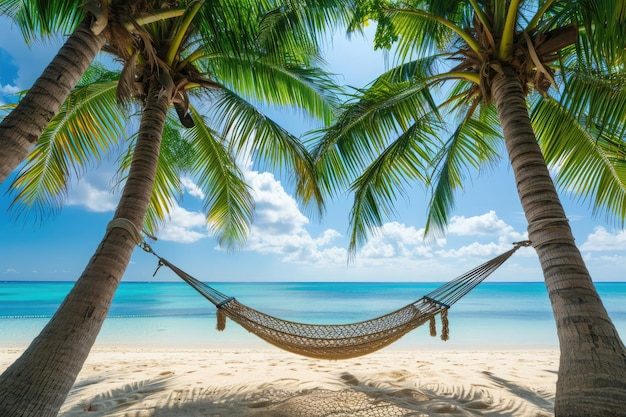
column 129, row 226
column 547, row 236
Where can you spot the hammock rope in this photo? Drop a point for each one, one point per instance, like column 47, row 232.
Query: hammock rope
column 343, row 341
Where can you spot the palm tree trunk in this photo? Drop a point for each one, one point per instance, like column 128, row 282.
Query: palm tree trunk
column 21, row 129
column 38, row 382
column 592, row 369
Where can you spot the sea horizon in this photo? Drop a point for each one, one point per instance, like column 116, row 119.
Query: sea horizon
column 157, row 314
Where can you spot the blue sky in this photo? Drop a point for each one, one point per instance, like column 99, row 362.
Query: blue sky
column 287, row 243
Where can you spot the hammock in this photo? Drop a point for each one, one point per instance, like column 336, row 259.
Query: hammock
column 343, row 341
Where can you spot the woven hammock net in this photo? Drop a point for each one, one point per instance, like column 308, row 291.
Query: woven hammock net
column 343, row 341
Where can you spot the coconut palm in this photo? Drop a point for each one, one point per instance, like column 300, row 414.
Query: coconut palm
column 92, row 25
column 235, row 58
column 493, row 61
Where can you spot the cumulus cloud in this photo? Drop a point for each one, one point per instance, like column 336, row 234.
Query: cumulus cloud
column 476, row 249
column 398, row 240
column 191, row 188
column 8, row 90
column 184, row 226
column 603, row 240
column 93, row 197
column 399, row 246
column 280, row 228
column 487, row 224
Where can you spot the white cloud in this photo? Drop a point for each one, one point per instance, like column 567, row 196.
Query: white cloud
column 603, row 240
column 11, row 271
column 398, row 240
column 184, row 226
column 92, row 197
column 276, row 211
column 403, row 247
column 8, row 93
column 8, row 90
column 192, row 188
column 487, row 224
column 280, row 228
column 484, row 225
column 475, row 249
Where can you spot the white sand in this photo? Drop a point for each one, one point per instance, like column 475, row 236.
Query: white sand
column 135, row 382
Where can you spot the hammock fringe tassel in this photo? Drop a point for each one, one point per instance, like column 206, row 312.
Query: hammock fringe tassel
column 445, row 330
column 433, row 327
column 221, row 319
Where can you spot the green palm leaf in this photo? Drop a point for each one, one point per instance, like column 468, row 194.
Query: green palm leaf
column 42, row 19
column 590, row 163
column 603, row 23
column 365, row 126
column 422, row 33
column 247, row 128
column 472, row 145
column 267, row 83
column 229, row 203
column 405, row 160
column 69, row 143
column 597, row 99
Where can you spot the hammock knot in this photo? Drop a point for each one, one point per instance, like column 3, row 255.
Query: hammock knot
column 159, row 265
column 523, row 243
column 223, row 303
column 436, row 302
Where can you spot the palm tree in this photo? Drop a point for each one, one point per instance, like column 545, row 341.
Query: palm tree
column 493, row 60
column 92, row 25
column 233, row 55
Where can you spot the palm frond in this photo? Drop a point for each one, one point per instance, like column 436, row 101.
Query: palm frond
column 363, row 129
column 249, row 129
column 422, row 33
column 407, row 159
column 40, row 20
column 604, row 29
column 229, row 203
column 228, row 27
column 589, row 162
column 299, row 25
column 87, row 127
column 472, row 145
column 267, row 83
column 596, row 98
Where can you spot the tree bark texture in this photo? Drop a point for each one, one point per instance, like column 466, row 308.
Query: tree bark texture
column 592, row 369
column 20, row 130
column 37, row 384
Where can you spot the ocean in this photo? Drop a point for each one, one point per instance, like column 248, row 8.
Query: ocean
column 157, row 314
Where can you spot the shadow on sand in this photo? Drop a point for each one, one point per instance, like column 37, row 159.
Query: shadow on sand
column 354, row 398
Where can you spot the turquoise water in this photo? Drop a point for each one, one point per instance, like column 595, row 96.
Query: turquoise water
column 172, row 314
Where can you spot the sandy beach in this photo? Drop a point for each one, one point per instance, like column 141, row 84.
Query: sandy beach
column 137, row 382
